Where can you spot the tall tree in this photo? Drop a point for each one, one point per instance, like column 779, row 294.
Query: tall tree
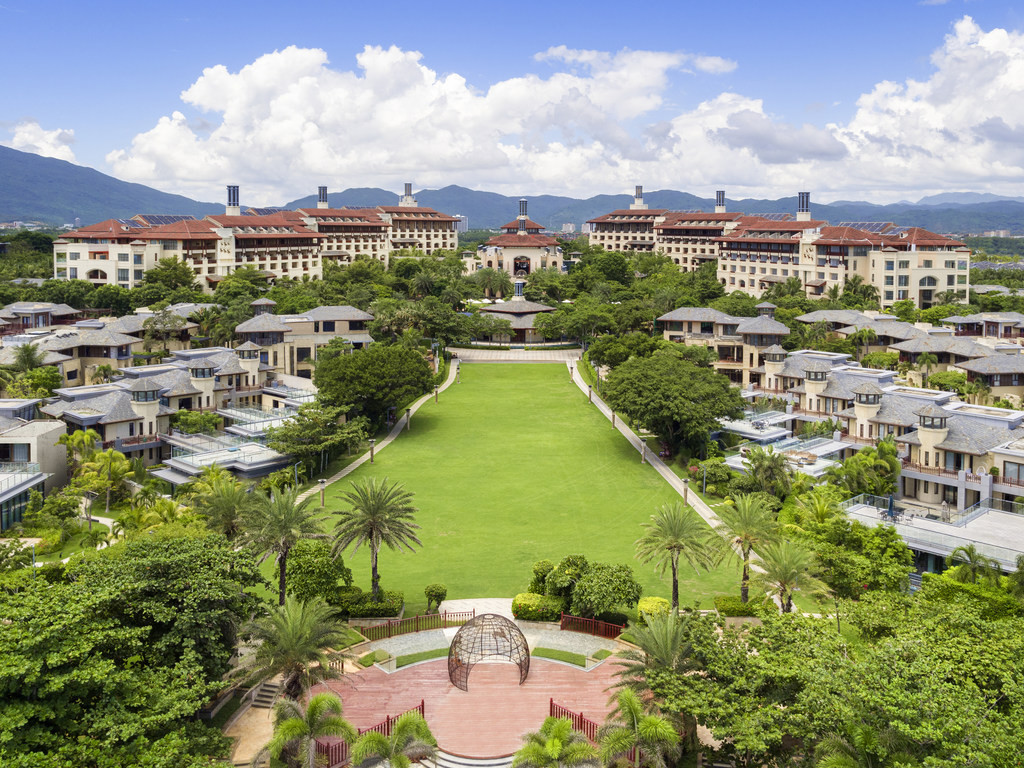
column 746, row 524
column 925, row 362
column 294, row 640
column 109, row 469
column 378, row 515
column 276, row 522
column 770, row 470
column 969, row 566
column 787, row 569
column 676, row 532
column 317, row 433
column 27, row 357
column 297, row 728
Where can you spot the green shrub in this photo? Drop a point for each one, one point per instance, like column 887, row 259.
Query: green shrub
column 604, row 653
column 530, row 606
column 435, row 594
column 390, row 604
column 991, row 602
column 651, row 606
column 373, row 657
column 729, row 605
column 567, row 656
column 344, row 598
column 412, row 658
column 613, row 617
column 541, row 569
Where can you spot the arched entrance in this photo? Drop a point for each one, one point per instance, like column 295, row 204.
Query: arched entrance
column 521, row 266
column 488, row 636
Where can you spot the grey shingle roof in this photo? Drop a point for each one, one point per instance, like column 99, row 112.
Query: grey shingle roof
column 996, row 363
column 867, row 388
column 263, row 301
column 954, row 345
column 262, row 324
column 143, row 384
column 933, row 411
column 519, row 308
column 774, row 349
column 699, row 315
column 981, row 317
column 895, row 329
column 765, row 305
column 248, row 347
column 846, row 316
column 762, row 325
column 338, row 313
column 974, row 436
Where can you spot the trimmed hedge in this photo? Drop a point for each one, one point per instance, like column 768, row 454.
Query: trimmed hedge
column 729, row 605
column 652, row 606
column 604, row 653
column 412, row 658
column 371, row 658
column 390, row 605
column 557, row 655
column 529, row 606
column 992, row 603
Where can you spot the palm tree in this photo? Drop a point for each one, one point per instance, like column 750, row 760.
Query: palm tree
column 7, row 378
column 787, row 569
column 925, row 362
column 379, row 514
column 556, row 745
column 661, row 644
column 296, row 729
column 676, row 531
column 103, row 373
column 818, row 506
column 968, row 566
column 81, row 443
column 92, row 538
column 206, row 319
column 275, row 522
column 630, row 732
column 27, row 357
column 864, row 747
column 746, row 524
column 294, row 640
column 223, row 501
column 134, row 520
column 109, row 469
column 771, row 470
column 863, row 338
column 410, row 740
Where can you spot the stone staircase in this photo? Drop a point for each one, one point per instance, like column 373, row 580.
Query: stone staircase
column 267, row 694
column 445, row 760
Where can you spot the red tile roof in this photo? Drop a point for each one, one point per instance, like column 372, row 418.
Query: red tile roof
column 514, row 225
column 522, row 241
column 639, row 215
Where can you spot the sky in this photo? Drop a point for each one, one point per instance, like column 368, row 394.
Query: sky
column 880, row 101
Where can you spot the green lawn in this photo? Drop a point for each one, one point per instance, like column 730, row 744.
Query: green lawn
column 71, row 546
column 513, row 466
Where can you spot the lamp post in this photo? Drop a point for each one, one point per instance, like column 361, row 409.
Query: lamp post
column 569, row 366
column 372, row 441
column 435, row 393
column 613, row 418
column 643, row 451
column 408, row 419
column 704, row 480
column 686, row 491
column 458, row 373
column 590, row 393
column 295, row 469
column 323, row 487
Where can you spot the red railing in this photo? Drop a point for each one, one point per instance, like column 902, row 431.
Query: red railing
column 590, row 626
column 417, row 624
column 584, row 725
column 952, row 474
column 846, row 437
column 337, row 752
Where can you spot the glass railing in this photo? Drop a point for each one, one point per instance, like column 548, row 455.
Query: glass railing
column 16, row 472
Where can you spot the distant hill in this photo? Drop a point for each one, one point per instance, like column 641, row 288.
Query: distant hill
column 54, row 191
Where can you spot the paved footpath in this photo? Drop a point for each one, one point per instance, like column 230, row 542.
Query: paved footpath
column 396, row 430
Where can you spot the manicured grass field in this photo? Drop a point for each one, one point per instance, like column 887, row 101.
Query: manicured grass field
column 512, row 466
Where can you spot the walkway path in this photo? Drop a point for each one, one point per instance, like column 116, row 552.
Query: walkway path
column 396, row 430
column 474, row 355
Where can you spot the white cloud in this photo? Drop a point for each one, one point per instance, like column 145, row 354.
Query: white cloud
column 599, row 121
column 30, row 136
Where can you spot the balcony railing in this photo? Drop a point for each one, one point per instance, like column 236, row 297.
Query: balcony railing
column 939, row 471
column 16, row 472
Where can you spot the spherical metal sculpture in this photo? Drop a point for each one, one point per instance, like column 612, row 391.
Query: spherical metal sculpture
column 488, row 636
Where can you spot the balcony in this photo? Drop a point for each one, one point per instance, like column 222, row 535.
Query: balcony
column 846, row 437
column 936, row 471
column 133, row 443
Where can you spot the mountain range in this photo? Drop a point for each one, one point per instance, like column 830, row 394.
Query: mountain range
column 35, row 188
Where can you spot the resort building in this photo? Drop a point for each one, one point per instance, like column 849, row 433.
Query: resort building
column 628, row 229
column 521, row 248
column 741, row 343
column 521, row 314
column 288, row 344
column 78, row 351
column 30, row 457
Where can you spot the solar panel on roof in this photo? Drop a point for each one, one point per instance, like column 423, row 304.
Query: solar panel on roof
column 130, row 223
column 160, row 219
column 263, row 211
column 897, row 230
column 774, row 216
column 876, row 227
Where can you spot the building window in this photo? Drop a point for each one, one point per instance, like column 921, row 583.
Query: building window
column 328, row 326
column 73, row 273
column 122, row 275
column 904, row 265
column 903, row 281
column 123, row 257
column 74, row 256
column 888, row 295
column 1013, row 471
column 889, row 266
column 926, row 264
column 888, row 279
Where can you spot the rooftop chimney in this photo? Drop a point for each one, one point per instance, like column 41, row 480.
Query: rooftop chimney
column 638, row 200
column 720, row 201
column 803, row 206
column 232, row 208
column 321, row 198
column 407, row 200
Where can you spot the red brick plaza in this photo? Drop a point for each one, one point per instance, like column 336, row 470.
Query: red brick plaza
column 491, row 718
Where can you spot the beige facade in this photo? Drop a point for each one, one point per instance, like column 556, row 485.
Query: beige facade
column 521, row 249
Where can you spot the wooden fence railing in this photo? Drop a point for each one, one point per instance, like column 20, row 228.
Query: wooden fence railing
column 584, row 725
column 417, row 624
column 337, row 753
column 591, row 626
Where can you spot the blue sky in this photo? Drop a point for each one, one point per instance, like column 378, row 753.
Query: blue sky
column 867, row 100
